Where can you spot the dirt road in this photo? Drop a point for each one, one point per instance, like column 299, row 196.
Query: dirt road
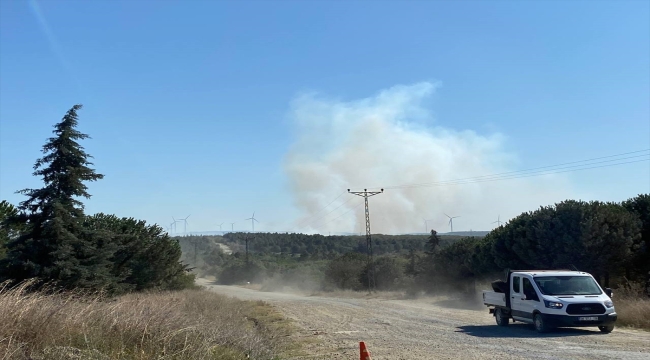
column 430, row 329
column 225, row 248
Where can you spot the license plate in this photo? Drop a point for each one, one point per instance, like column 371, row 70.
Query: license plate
column 588, row 318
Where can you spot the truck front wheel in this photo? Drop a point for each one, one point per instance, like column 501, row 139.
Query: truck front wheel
column 606, row 329
column 501, row 317
column 540, row 324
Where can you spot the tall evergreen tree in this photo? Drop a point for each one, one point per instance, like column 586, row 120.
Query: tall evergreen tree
column 10, row 224
column 55, row 246
column 433, row 243
column 640, row 205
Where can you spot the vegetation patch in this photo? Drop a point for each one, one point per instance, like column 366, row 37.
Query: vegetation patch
column 632, row 306
column 188, row 324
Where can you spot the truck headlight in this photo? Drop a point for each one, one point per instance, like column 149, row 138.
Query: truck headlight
column 553, row 304
column 609, row 303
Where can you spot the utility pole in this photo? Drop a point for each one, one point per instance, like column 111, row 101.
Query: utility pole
column 246, row 239
column 371, row 265
column 195, row 242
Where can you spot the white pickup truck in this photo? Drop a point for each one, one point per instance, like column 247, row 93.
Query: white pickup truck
column 551, row 298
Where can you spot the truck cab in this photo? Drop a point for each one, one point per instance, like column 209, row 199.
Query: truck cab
column 551, row 298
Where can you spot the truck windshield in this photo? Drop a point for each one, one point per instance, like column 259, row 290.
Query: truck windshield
column 567, row 285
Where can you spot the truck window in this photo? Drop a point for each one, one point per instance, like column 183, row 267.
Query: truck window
column 529, row 290
column 515, row 284
column 567, row 285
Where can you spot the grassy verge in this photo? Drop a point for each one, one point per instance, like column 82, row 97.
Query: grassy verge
column 190, row 324
column 633, row 312
column 632, row 306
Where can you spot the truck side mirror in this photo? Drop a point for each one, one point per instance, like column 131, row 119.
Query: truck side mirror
column 609, row 292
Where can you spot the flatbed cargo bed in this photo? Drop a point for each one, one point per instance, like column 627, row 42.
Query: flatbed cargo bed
column 492, row 298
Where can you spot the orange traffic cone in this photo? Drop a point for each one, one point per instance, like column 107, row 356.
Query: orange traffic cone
column 365, row 354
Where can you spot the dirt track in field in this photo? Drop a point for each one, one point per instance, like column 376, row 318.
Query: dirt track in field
column 434, row 329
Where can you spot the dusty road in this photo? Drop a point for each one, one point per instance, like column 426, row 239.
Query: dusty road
column 430, row 329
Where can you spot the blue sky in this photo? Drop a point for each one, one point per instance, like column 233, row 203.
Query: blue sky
column 200, row 107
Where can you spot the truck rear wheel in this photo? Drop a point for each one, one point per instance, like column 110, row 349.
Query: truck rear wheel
column 501, row 317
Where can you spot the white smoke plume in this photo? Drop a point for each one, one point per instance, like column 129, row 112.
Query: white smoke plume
column 391, row 139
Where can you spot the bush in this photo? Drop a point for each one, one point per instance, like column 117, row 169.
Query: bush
column 146, row 257
column 344, row 272
column 389, row 273
column 239, row 272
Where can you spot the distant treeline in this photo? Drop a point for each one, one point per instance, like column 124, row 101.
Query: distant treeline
column 322, row 247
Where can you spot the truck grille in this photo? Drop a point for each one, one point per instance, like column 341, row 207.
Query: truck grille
column 585, row 309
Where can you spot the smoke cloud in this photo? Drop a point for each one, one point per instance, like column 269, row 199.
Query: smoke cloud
column 391, row 139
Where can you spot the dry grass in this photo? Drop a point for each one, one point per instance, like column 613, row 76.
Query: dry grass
column 190, row 324
column 632, row 306
column 633, row 312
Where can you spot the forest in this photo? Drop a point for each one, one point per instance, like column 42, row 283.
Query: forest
column 320, row 246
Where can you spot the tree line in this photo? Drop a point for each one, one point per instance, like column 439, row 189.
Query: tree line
column 49, row 238
column 318, row 246
column 607, row 239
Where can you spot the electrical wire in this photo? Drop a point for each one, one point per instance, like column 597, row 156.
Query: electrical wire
column 322, row 217
column 325, row 223
column 530, row 172
column 317, row 212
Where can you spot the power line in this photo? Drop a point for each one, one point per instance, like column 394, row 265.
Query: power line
column 535, row 170
column 532, row 171
column 517, row 177
column 322, row 217
column 317, row 212
column 338, row 217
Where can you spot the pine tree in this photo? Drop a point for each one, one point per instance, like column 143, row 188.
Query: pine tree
column 55, row 246
column 9, row 224
column 433, row 243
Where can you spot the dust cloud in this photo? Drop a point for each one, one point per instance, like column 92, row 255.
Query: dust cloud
column 391, row 139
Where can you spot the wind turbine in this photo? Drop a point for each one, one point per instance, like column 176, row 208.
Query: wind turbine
column 252, row 219
column 174, row 223
column 426, row 225
column 498, row 222
column 232, row 227
column 185, row 225
column 451, row 221
column 220, row 226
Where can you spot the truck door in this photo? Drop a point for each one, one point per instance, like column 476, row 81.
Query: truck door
column 532, row 299
column 517, row 301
